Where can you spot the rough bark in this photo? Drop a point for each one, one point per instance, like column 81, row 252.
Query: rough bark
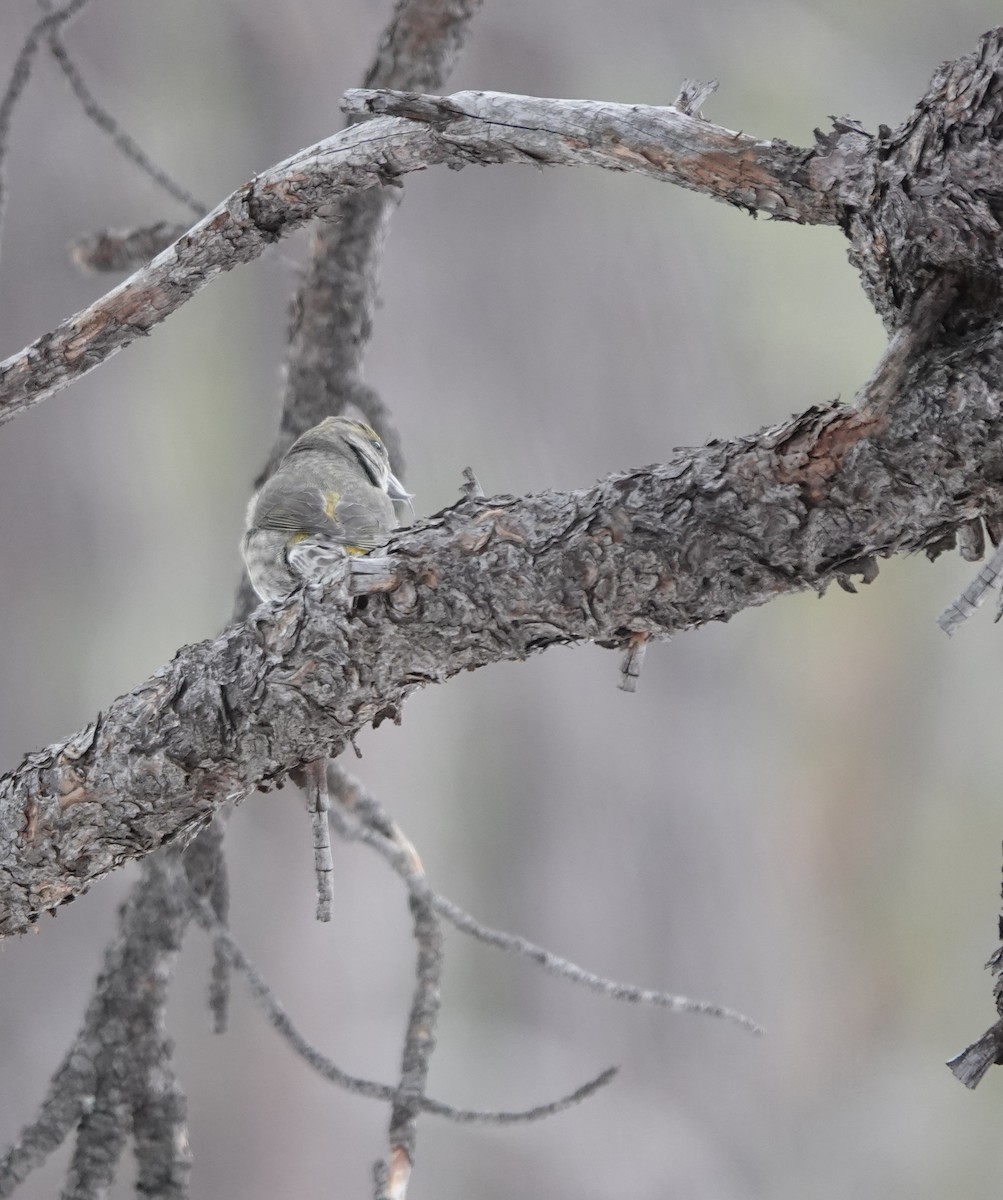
column 481, row 127
column 915, row 202
column 417, row 49
column 719, row 529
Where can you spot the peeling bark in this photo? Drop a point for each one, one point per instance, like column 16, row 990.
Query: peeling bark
column 653, row 551
column 494, row 129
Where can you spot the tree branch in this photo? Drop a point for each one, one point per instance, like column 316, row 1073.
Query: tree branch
column 720, row 529
column 900, row 234
column 666, row 143
column 280, row 1021
column 117, row 1076
column 478, row 127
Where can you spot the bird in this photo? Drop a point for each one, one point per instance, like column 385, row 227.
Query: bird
column 330, row 498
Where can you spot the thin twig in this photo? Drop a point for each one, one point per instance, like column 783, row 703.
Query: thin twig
column 419, row 1044
column 692, row 95
column 103, row 119
column 282, row 1023
column 323, row 863
column 633, row 661
column 19, row 77
column 962, row 606
column 363, row 819
column 471, row 487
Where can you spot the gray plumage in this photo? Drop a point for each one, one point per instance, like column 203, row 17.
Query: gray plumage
column 330, row 496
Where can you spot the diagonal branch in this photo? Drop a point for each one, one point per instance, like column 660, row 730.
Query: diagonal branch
column 717, row 530
column 102, row 118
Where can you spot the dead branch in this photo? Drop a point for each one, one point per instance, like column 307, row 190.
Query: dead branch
column 717, row 530
column 482, row 127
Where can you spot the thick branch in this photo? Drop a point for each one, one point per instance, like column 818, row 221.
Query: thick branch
column 718, row 530
column 659, row 142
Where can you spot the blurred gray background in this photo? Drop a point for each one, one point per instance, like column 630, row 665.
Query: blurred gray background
column 797, row 814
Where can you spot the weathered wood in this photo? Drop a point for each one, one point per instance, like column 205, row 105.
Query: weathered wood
column 653, row 551
column 662, row 143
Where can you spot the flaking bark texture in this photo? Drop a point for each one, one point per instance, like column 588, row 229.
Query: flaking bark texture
column 722, row 528
column 485, row 128
column 926, row 199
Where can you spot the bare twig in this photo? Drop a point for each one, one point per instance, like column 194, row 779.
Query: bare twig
column 117, row 1075
column 419, row 1044
column 633, row 661
column 318, row 803
column 692, row 95
column 482, row 127
column 471, row 487
column 19, row 77
column 962, row 607
column 358, row 816
column 103, row 119
column 393, row 1175
column 368, row 1088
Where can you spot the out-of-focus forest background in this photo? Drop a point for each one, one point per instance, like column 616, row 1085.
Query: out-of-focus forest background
column 798, row 814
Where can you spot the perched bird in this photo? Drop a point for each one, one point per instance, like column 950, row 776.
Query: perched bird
column 331, row 495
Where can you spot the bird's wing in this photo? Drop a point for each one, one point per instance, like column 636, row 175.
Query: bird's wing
column 312, row 512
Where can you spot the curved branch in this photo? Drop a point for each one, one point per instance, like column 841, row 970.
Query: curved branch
column 664, row 142
column 719, row 529
column 484, row 128
column 901, row 233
